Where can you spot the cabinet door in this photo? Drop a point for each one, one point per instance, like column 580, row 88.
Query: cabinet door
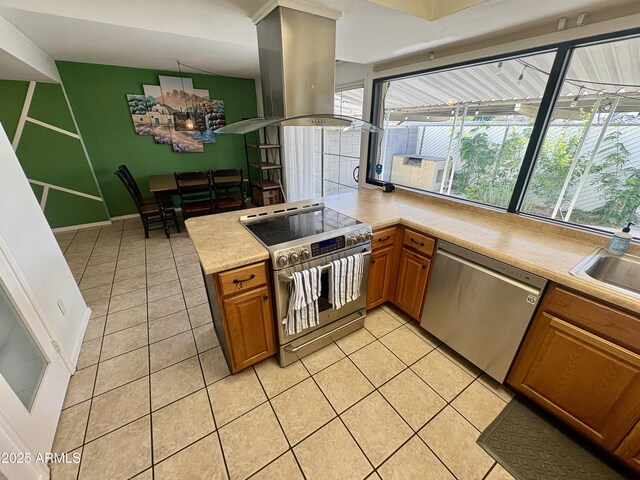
column 250, row 326
column 629, row 449
column 381, row 270
column 590, row 383
column 412, row 282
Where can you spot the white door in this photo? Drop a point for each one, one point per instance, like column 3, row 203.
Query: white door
column 33, row 379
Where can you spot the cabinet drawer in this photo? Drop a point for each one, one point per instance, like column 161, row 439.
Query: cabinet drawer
column 620, row 327
column 243, row 278
column 419, row 242
column 382, row 238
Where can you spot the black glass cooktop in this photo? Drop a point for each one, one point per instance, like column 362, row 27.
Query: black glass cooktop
column 276, row 230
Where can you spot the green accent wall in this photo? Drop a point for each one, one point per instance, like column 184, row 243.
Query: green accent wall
column 65, row 166
column 85, row 210
column 50, row 156
column 12, row 95
column 97, row 94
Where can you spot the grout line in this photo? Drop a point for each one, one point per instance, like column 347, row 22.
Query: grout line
column 273, row 410
column 490, row 470
column 146, row 275
column 338, row 414
column 204, row 378
column 95, row 378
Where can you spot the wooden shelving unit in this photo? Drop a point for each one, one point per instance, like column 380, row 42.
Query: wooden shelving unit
column 264, row 165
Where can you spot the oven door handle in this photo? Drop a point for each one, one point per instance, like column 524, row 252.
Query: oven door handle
column 289, row 278
column 291, row 349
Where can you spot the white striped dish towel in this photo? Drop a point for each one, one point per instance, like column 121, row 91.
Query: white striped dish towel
column 346, row 277
column 304, row 292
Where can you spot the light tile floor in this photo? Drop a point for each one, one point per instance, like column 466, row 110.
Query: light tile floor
column 153, row 398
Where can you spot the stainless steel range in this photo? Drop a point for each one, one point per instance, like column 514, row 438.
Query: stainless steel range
column 299, row 238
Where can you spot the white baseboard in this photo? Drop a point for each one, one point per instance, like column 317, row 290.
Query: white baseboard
column 124, row 217
column 84, row 225
column 76, row 348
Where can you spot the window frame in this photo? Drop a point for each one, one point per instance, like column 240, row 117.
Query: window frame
column 563, row 53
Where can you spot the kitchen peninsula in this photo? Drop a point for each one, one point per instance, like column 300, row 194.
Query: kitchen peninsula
column 544, row 249
column 576, row 318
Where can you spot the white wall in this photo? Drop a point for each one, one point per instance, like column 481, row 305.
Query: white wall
column 24, row 51
column 25, row 231
column 350, row 74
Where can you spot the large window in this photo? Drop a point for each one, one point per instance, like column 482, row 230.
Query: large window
column 324, row 161
column 588, row 168
column 340, row 148
column 554, row 134
column 462, row 132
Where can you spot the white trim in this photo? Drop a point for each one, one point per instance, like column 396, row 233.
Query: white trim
column 43, row 199
column 23, row 115
column 10, row 442
column 82, row 225
column 84, row 149
column 52, row 127
column 76, row 349
column 66, row 190
column 123, row 217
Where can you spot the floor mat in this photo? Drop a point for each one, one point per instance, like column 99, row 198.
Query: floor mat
column 533, row 446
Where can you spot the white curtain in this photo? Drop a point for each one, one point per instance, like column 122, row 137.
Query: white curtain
column 302, row 162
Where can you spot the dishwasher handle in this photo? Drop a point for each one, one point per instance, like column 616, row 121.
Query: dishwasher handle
column 476, row 266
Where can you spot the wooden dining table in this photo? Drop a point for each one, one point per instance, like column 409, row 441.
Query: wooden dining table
column 166, row 183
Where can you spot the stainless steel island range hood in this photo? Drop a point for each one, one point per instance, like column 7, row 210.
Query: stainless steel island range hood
column 297, row 68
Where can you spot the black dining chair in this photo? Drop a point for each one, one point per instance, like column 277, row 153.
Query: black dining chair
column 134, row 185
column 151, row 214
column 228, row 189
column 196, row 194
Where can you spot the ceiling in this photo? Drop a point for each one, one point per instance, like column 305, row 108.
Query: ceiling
column 218, row 35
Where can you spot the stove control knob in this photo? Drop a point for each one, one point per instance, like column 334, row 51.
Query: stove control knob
column 281, row 261
column 351, row 240
column 369, row 236
column 304, row 254
column 361, row 237
column 294, row 257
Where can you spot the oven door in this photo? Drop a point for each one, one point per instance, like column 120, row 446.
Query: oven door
column 328, row 314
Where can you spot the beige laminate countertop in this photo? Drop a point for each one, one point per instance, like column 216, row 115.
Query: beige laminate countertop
column 223, row 243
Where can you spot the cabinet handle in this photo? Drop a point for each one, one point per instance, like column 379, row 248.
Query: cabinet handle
column 384, row 239
column 265, row 297
column 424, row 267
column 416, row 242
column 372, row 262
column 242, row 280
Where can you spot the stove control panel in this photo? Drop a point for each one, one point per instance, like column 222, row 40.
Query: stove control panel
column 359, row 238
column 327, row 246
column 306, row 251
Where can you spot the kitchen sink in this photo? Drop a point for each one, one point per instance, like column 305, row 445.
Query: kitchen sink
column 620, row 272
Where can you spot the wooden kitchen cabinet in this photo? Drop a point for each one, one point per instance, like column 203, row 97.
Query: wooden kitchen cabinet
column 629, row 450
column 249, row 322
column 381, row 276
column 383, row 267
column 242, row 310
column 567, row 367
column 413, row 274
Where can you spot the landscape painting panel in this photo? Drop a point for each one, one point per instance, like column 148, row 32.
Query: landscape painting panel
column 140, row 114
column 161, row 118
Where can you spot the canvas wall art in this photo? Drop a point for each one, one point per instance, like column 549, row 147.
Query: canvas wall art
column 177, row 114
column 140, row 114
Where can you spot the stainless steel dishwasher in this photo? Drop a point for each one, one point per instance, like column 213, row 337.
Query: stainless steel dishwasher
column 479, row 306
